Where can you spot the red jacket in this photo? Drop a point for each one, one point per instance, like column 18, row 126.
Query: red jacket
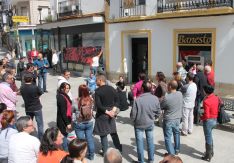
column 210, row 105
column 210, row 78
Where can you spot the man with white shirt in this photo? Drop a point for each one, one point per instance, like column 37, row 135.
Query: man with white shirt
column 55, row 60
column 189, row 95
column 95, row 63
column 23, row 148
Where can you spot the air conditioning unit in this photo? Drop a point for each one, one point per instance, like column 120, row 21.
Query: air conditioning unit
column 127, row 12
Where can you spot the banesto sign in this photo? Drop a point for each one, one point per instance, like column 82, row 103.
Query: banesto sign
column 194, row 38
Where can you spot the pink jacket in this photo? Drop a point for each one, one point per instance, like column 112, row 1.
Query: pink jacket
column 137, row 91
column 7, row 96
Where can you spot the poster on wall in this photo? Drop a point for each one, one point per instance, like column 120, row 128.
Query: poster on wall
column 81, row 55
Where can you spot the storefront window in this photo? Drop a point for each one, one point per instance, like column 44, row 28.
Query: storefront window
column 195, row 47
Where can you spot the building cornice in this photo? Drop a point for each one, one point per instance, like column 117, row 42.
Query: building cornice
column 176, row 14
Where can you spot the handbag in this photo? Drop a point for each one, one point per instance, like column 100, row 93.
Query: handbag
column 223, row 117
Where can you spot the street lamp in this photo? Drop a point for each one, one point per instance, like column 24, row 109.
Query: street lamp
column 39, row 9
column 41, row 30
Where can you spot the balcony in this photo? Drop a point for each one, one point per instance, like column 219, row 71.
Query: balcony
column 164, row 6
column 69, row 8
column 132, row 8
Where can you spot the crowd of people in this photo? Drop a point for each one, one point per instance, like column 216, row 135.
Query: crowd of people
column 176, row 103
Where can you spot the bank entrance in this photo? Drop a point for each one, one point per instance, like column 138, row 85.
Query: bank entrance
column 196, row 46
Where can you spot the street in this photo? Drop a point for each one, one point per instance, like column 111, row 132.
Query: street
column 192, row 146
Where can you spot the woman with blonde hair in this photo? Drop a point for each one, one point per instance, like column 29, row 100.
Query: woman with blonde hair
column 179, row 80
column 7, row 121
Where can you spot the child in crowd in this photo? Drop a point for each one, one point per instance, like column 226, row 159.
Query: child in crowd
column 91, row 83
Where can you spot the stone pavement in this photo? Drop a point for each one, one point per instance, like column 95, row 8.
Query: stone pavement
column 192, row 146
column 3, row 52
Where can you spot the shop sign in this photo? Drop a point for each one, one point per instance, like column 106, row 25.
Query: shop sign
column 20, row 19
column 81, row 55
column 194, row 38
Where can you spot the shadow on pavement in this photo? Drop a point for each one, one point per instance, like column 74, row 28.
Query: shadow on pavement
column 186, row 150
column 123, row 120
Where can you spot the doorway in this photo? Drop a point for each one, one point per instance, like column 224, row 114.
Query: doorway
column 139, row 57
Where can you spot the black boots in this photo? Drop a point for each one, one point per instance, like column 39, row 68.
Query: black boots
column 209, row 153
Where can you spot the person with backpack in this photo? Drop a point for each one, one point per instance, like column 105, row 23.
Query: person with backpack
column 83, row 124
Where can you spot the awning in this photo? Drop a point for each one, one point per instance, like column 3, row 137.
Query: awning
column 72, row 22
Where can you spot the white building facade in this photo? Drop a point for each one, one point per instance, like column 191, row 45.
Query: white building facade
column 153, row 35
column 27, row 32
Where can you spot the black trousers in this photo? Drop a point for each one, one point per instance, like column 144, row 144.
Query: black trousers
column 115, row 139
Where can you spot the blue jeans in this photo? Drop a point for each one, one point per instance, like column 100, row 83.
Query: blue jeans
column 208, row 126
column 65, row 144
column 42, row 81
column 94, row 70
column 172, row 128
column 39, row 120
column 84, row 131
column 140, row 143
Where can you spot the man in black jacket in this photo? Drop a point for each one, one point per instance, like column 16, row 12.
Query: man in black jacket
column 105, row 99
column 31, row 94
column 200, row 80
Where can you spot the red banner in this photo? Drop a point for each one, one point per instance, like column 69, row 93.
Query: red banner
column 81, row 55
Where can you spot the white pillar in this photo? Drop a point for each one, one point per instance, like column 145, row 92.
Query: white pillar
column 33, row 39
column 23, row 46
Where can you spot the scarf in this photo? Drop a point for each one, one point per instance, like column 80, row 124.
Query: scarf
column 69, row 106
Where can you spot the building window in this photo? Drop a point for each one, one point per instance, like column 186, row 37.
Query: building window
column 141, row 2
column 24, row 11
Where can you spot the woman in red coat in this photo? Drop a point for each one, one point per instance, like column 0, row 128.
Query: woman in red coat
column 209, row 118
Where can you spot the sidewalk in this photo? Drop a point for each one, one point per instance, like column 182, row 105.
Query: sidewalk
column 192, row 146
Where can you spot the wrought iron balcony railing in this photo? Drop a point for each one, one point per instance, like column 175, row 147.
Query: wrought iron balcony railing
column 173, row 5
column 66, row 8
column 132, row 8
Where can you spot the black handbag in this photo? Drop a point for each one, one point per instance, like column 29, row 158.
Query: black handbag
column 223, row 117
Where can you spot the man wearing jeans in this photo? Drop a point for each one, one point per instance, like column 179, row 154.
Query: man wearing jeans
column 42, row 64
column 200, row 80
column 172, row 106
column 31, row 93
column 145, row 108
